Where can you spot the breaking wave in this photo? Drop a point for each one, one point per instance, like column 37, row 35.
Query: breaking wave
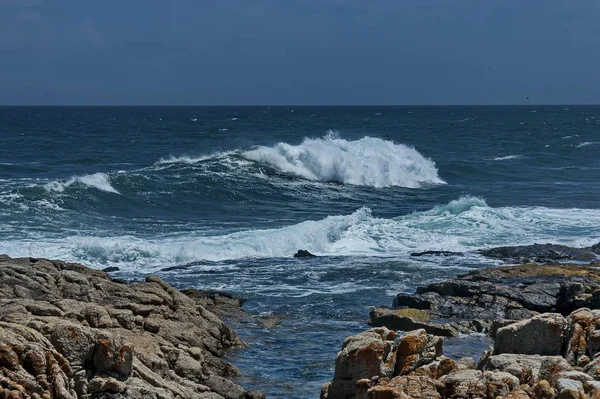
column 99, row 181
column 366, row 162
column 465, row 224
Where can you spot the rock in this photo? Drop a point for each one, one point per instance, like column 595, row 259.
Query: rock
column 437, row 253
column 529, row 369
column 416, row 348
column 508, row 293
column 593, row 368
column 543, row 390
column 110, row 269
column 270, row 321
column 539, row 253
column 584, row 341
column 570, row 389
column 405, row 387
column 220, row 303
column 544, row 334
column 410, row 319
column 302, row 253
column 362, row 356
column 69, row 332
column 464, row 384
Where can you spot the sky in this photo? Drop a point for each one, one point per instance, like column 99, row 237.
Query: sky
column 312, row 52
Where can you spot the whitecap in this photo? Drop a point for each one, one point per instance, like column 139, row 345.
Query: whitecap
column 462, row 225
column 365, row 162
column 507, row 157
column 587, row 143
column 99, row 181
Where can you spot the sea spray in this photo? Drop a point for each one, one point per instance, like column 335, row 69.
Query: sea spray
column 466, row 224
column 366, row 162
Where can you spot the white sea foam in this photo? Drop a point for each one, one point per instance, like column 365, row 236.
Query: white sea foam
column 466, row 224
column 507, row 157
column 366, row 162
column 587, row 143
column 99, row 181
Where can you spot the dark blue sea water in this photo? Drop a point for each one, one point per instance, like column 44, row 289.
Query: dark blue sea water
column 231, row 193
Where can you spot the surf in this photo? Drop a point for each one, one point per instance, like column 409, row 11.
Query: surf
column 369, row 161
column 462, row 225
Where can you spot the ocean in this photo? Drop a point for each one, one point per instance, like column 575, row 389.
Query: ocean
column 222, row 197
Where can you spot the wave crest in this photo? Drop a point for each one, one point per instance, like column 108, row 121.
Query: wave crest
column 99, row 181
column 366, row 162
column 462, row 225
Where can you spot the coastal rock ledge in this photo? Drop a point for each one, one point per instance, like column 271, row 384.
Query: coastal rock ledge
column 68, row 331
column 544, row 319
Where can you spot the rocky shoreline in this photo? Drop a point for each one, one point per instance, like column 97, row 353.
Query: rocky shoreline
column 68, row 331
column 544, row 319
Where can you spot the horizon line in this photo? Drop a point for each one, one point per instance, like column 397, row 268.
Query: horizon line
column 306, row 105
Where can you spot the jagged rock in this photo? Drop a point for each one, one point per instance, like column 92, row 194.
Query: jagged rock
column 411, row 319
column 67, row 331
column 220, row 303
column 464, row 384
column 404, row 387
column 529, row 369
column 540, row 253
column 367, row 354
column 510, row 293
column 416, row 348
column 544, row 334
column 584, row 341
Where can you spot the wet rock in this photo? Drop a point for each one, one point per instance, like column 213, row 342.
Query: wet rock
column 437, row 253
column 302, row 253
column 544, row 334
column 110, row 269
column 540, row 253
column 411, row 319
column 270, row 321
column 503, row 293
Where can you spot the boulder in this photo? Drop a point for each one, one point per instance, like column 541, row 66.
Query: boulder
column 411, row 319
column 415, row 349
column 544, row 334
column 529, row 369
column 570, row 389
column 364, row 355
column 302, row 253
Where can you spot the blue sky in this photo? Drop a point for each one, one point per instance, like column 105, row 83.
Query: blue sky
column 225, row 52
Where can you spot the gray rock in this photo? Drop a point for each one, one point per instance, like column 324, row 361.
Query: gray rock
column 569, row 389
column 539, row 253
column 545, row 334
